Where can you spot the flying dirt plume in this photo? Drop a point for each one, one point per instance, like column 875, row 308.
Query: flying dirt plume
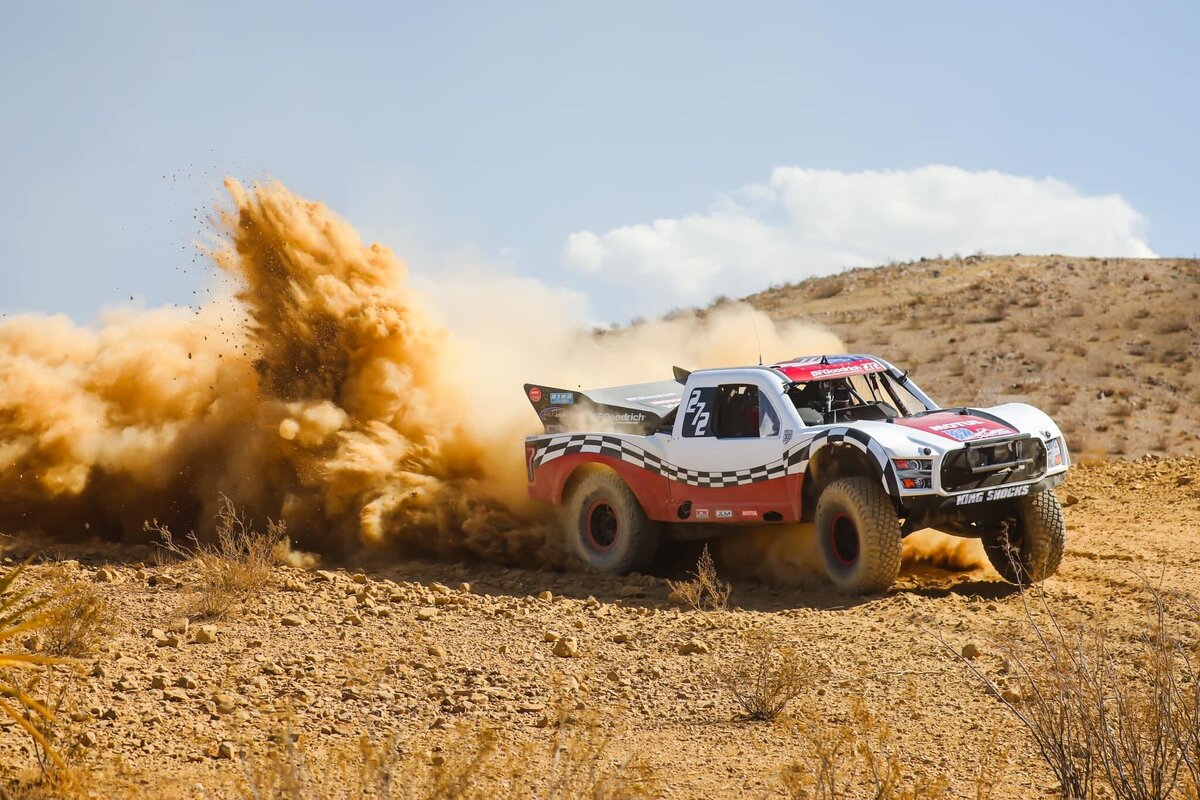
column 320, row 391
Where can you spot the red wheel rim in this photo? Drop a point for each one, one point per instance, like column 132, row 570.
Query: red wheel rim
column 843, row 540
column 602, row 526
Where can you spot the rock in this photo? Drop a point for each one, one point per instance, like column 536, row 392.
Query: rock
column 970, row 650
column 427, row 614
column 1010, row 696
column 632, row 591
column 436, row 650
column 178, row 625
column 87, row 739
column 546, row 595
column 225, row 750
column 531, row 708
column 566, row 647
column 175, row 695
column 439, row 588
column 551, row 636
column 677, row 597
column 359, row 578
column 694, row 646
column 187, row 681
column 108, row 575
column 126, row 684
column 158, row 682
column 205, row 634
column 292, row 621
column 465, row 588
column 224, row 703
column 1070, row 500
column 168, row 640
column 1183, row 480
column 98, row 670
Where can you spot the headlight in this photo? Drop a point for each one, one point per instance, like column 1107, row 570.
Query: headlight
column 1056, row 453
column 914, row 473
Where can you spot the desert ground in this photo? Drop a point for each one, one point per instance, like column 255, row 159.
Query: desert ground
column 423, row 678
column 425, row 656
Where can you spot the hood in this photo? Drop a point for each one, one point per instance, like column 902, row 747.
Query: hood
column 966, row 425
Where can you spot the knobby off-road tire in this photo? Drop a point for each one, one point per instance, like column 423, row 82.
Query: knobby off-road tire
column 1031, row 550
column 859, row 535
column 606, row 527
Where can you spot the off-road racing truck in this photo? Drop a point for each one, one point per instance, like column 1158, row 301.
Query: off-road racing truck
column 847, row 442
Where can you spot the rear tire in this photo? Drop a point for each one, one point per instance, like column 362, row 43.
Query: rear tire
column 859, row 535
column 606, row 527
column 1030, row 549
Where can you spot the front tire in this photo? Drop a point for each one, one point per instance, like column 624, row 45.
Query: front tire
column 606, row 527
column 859, row 536
column 1029, row 548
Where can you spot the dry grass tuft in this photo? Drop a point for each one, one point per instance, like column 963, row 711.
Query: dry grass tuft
column 706, row 591
column 79, row 618
column 861, row 759
column 473, row 764
column 767, row 677
column 234, row 569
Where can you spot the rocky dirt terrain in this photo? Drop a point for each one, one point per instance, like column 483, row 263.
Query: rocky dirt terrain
column 1106, row 346
column 424, row 657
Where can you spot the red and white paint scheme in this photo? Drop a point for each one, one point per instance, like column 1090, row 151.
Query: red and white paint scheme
column 759, row 444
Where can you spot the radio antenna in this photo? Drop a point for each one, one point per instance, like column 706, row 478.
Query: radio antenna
column 757, row 341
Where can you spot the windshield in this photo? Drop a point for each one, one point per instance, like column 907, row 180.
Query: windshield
column 875, row 395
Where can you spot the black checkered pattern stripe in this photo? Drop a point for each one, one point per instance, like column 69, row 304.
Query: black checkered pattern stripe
column 794, row 460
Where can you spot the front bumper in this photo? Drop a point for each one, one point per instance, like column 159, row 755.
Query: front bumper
column 928, row 504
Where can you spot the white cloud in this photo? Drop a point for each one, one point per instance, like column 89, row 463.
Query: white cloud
column 806, row 222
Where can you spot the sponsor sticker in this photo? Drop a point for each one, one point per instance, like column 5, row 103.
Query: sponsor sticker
column 749, row 512
column 535, row 394
column 553, row 412
column 787, row 435
column 562, row 398
column 1002, row 493
column 701, row 513
column 625, row 418
column 724, row 513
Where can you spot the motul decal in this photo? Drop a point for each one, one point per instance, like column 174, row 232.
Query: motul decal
column 535, row 394
column 956, row 426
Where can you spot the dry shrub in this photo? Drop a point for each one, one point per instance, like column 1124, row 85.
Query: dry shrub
column 578, row 764
column 825, row 289
column 1103, row 712
column 861, row 760
column 768, row 676
column 79, row 618
column 234, row 569
column 706, row 591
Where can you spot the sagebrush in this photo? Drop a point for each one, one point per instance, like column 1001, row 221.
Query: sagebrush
column 705, row 591
column 235, row 567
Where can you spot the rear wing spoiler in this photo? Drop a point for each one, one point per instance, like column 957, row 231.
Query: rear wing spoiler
column 639, row 408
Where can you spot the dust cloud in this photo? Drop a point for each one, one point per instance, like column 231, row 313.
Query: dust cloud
column 321, row 389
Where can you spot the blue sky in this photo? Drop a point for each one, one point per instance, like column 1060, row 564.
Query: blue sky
column 495, row 132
